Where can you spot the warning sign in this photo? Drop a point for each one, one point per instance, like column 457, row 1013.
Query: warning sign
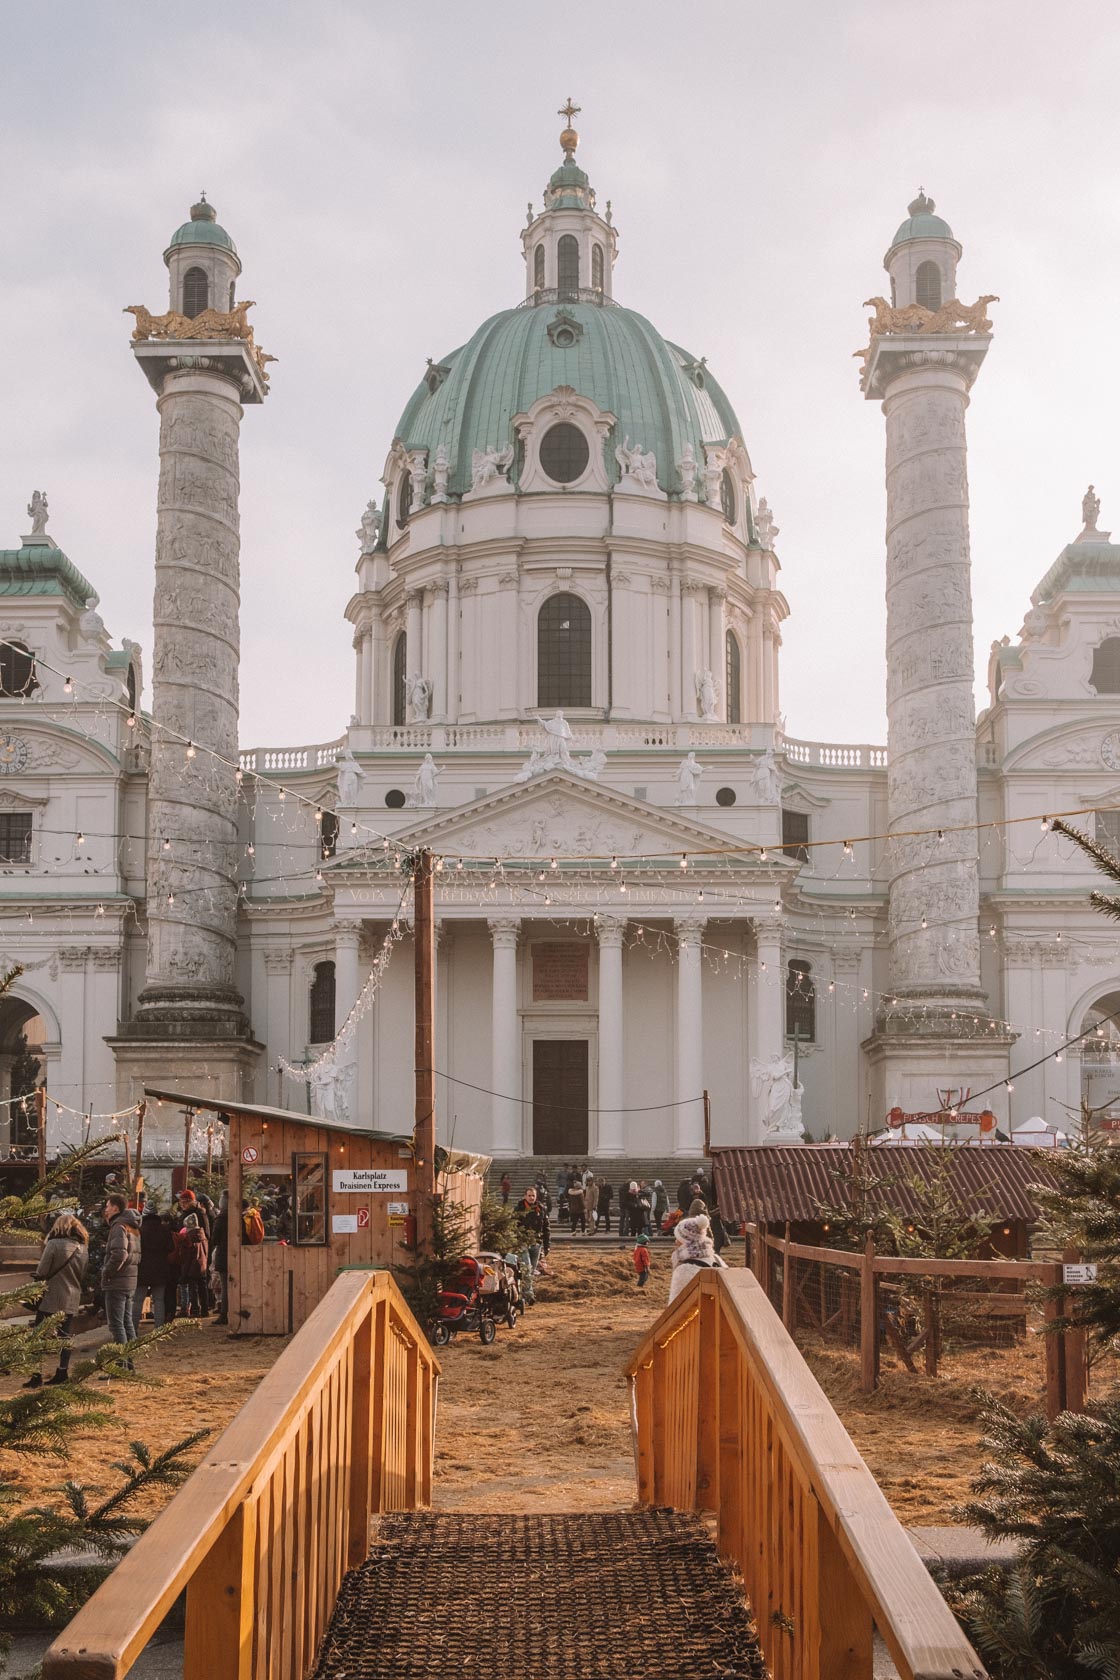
column 363, row 1219
column 249, row 1154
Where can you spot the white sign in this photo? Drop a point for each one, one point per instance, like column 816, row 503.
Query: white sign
column 361, row 1181
column 344, row 1224
column 1086, row 1273
column 397, row 1208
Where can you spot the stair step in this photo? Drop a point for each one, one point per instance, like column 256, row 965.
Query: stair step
column 595, row 1595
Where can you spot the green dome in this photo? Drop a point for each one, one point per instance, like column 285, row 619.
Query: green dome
column 569, row 174
column 202, row 229
column 662, row 397
column 922, row 223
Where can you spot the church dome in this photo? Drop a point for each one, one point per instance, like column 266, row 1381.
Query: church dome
column 202, row 229
column 662, row 397
column 922, row 223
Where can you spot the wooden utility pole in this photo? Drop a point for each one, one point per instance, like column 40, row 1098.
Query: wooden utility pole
column 424, row 1131
column 188, row 1122
column 41, row 1128
column 141, row 1111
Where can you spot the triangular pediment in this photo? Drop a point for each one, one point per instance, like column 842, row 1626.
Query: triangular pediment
column 555, row 815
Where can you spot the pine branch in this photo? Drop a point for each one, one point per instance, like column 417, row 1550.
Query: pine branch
column 1098, row 854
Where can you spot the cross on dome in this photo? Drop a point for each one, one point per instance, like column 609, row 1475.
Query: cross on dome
column 569, row 139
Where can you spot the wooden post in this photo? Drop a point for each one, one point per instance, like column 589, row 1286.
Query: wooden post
column 868, row 1319
column 209, row 1154
column 787, row 1284
column 933, row 1327
column 188, row 1119
column 127, row 1163
column 41, row 1128
column 1055, row 1351
column 424, row 1130
column 843, row 1619
column 141, row 1110
column 218, row 1639
column 361, row 1446
column 707, row 1126
column 707, row 1409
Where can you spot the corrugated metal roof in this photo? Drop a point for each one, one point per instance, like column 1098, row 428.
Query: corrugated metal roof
column 775, row 1182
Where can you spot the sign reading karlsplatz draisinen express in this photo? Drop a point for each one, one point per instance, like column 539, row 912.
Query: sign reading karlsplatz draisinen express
column 361, row 1181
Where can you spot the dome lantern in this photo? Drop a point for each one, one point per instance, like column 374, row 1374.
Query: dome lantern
column 202, row 262
column 923, row 256
column 569, row 248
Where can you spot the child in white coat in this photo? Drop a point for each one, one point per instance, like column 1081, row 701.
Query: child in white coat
column 693, row 1252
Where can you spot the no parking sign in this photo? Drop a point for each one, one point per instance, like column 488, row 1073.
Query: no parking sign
column 249, row 1154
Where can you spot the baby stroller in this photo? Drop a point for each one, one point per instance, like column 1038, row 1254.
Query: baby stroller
column 462, row 1306
column 501, row 1289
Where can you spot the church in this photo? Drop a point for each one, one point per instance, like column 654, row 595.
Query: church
column 661, row 915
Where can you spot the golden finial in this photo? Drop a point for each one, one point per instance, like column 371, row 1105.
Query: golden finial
column 569, row 139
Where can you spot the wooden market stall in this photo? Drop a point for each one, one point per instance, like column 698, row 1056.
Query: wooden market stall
column 330, row 1197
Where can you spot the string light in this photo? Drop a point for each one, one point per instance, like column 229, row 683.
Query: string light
column 848, row 849
column 131, row 720
column 81, row 840
column 192, row 750
column 684, row 860
column 68, row 686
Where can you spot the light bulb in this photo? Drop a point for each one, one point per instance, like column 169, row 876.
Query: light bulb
column 866, row 994
column 924, row 922
column 1044, row 824
column 700, row 896
column 131, row 720
column 171, row 898
column 458, row 863
column 940, row 835
column 250, row 850
column 622, row 886
column 1057, row 1055
column 192, row 750
column 81, row 838
column 68, row 686
column 100, row 911
column 353, row 828
column 832, row 985
column 166, row 844
column 318, row 814
column 614, row 863
column 762, row 855
column 684, row 860
column 1009, row 1085
column 552, row 863
column 319, row 875
column 848, row 848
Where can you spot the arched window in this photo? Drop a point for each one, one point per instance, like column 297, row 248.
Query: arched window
column 399, row 697
column 404, row 499
column 17, row 670
column 1105, row 675
column 597, row 267
column 567, row 267
column 728, row 501
column 232, row 292
column 538, row 266
column 801, row 1002
column 564, row 652
column 733, row 672
column 321, row 1000
column 328, row 834
column 196, row 292
column 927, row 286
column 130, row 687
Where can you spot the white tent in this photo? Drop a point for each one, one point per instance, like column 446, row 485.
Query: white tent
column 912, row 1131
column 1035, row 1133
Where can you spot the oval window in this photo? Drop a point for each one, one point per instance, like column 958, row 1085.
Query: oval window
column 564, row 453
column 404, row 499
column 725, row 796
column 727, row 498
column 395, row 799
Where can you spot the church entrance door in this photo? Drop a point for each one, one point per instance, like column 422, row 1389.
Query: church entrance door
column 560, row 1086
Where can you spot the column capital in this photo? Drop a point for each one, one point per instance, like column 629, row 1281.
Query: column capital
column 688, row 928
column 348, row 931
column 610, row 931
column 768, row 927
column 504, row 931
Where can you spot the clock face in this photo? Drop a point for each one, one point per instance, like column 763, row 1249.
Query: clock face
column 1110, row 750
column 13, row 754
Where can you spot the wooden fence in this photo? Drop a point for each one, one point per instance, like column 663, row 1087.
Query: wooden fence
column 1065, row 1352
column 728, row 1418
column 341, row 1428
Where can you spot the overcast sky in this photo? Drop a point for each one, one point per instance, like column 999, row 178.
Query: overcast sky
column 373, row 163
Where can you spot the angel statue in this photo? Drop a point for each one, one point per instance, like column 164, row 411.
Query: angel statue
column 766, row 784
column 38, row 512
column 370, row 528
column 778, row 1097
column 488, row 465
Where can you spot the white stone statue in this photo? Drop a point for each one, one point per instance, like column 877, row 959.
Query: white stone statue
column 488, row 465
column 779, row 1099
column 764, row 524
column 713, row 481
column 330, row 1087
column 533, row 766
column 766, row 783
column 688, row 470
column 637, row 465
column 369, row 530
column 1090, row 508
column 591, row 767
column 38, row 512
column 441, row 470
column 91, row 625
column 419, row 691
column 424, row 783
column 555, row 754
column 350, row 777
column 707, row 696
column 688, row 779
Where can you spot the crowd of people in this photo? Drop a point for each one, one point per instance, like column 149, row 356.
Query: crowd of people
column 585, row 1202
column 121, row 1261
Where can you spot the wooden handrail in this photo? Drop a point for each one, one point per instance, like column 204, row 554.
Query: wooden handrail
column 1036, row 1271
column 341, row 1428
column 729, row 1418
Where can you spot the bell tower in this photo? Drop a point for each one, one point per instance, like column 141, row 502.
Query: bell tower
column 570, row 249
column 189, row 1023
column 925, row 351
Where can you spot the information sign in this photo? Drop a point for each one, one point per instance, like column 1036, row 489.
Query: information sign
column 1084, row 1273
column 360, row 1181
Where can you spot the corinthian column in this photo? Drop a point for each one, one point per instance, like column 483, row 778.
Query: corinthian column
column 612, row 1122
column 690, row 1035
column 505, row 1038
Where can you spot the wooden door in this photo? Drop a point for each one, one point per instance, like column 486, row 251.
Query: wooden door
column 560, row 1074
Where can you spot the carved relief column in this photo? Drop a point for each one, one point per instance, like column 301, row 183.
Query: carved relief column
column 347, row 970
column 505, row 1038
column 689, row 1116
column 438, row 620
column 612, row 1138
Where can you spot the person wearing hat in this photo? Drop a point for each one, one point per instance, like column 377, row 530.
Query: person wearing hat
column 693, row 1252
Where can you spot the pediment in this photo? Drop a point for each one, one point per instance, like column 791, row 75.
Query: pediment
column 556, row 815
column 1073, row 745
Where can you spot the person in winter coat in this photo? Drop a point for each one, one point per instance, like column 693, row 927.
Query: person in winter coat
column 62, row 1266
column 576, row 1213
column 120, row 1266
column 641, row 1262
column 192, row 1252
column 535, row 1219
column 624, row 1211
column 693, row 1252
column 660, row 1203
column 591, row 1203
column 606, row 1197
column 506, row 1188
column 154, row 1273
column 188, row 1202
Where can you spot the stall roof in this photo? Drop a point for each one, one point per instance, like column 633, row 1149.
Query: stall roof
column 260, row 1111
column 771, row 1183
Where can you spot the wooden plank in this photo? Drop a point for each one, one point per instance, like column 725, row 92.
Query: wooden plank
column 868, row 1321
column 359, row 1503
column 1036, row 1271
column 218, row 1637
column 844, row 1620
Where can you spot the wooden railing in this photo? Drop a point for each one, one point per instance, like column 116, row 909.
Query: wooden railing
column 340, row 1429
column 728, row 1418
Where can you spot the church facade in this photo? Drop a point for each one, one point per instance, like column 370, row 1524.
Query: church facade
column 658, row 908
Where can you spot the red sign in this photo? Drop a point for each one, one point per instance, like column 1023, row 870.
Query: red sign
column 249, row 1154
column 363, row 1219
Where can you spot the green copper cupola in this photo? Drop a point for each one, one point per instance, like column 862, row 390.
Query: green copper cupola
column 569, row 248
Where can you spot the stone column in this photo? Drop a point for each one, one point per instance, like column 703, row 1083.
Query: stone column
column 192, row 790
column 769, row 1036
column 438, row 660
column 689, row 1127
column 692, row 643
column 452, row 712
column 612, row 1138
column 414, row 640
column 377, row 665
column 347, row 969
column 717, row 662
column 505, row 1039
column 675, row 687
